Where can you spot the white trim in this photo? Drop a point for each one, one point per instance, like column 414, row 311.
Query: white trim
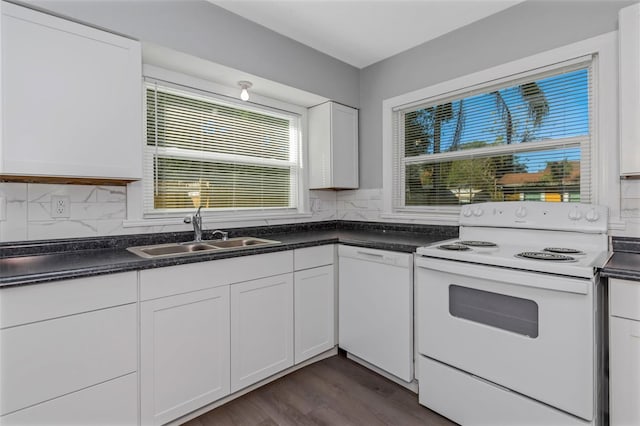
column 164, row 221
column 605, row 187
column 228, row 95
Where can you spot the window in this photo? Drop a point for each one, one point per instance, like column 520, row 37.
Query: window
column 224, row 156
column 527, row 137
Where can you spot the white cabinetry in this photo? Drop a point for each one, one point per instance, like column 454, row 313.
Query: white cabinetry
column 261, row 329
column 624, row 352
column 68, row 352
column 71, row 99
column 333, row 146
column 184, row 339
column 629, row 39
column 314, row 301
column 208, row 329
column 184, row 347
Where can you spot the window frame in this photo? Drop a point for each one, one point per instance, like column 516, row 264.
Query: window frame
column 604, row 108
column 199, row 87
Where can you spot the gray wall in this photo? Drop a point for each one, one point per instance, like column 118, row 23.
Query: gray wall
column 525, row 29
column 207, row 31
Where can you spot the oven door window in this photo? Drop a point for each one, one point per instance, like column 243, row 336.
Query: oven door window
column 496, row 310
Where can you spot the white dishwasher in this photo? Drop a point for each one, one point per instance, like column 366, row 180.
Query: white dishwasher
column 375, row 308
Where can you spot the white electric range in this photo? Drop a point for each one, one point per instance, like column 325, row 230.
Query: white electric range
column 509, row 315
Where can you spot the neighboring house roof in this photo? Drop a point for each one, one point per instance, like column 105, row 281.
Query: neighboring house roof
column 512, row 179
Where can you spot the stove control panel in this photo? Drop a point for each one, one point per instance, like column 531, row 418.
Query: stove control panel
column 537, row 215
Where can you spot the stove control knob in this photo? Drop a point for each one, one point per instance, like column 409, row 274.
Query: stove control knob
column 478, row 211
column 592, row 215
column 521, row 212
column 575, row 214
column 466, row 212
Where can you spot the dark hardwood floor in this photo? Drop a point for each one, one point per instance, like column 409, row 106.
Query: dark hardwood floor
column 334, row 391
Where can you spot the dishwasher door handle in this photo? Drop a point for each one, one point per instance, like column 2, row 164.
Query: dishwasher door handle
column 376, row 255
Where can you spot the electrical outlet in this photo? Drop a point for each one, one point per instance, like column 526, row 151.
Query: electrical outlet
column 60, row 205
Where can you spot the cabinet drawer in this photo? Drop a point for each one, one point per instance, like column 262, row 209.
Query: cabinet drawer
column 624, row 298
column 311, row 257
column 47, row 359
column 162, row 282
column 37, row 302
column 111, row 403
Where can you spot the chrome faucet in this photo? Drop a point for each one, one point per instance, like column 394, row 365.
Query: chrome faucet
column 196, row 220
column 224, row 235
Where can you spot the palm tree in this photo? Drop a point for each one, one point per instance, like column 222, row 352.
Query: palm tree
column 537, row 106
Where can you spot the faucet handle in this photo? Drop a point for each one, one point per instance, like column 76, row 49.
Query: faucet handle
column 187, row 219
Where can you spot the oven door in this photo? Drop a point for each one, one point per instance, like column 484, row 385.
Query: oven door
column 530, row 332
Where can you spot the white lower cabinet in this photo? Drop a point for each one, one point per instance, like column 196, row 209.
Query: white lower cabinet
column 184, row 349
column 314, row 295
column 68, row 352
column 261, row 329
column 624, row 353
column 112, row 403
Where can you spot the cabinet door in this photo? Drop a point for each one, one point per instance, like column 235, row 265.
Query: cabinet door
column 261, row 329
column 71, row 98
column 333, row 146
column 344, row 146
column 184, row 349
column 624, row 371
column 314, row 310
column 629, row 39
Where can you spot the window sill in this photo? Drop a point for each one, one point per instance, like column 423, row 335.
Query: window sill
column 165, row 221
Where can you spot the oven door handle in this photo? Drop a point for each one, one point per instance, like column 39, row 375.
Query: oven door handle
column 506, row 275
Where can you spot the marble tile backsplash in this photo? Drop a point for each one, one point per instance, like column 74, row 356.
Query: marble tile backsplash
column 25, row 212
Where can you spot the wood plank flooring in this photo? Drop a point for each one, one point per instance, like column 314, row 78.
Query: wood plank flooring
column 334, row 391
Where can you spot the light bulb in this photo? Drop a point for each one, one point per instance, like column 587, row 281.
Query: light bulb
column 244, row 85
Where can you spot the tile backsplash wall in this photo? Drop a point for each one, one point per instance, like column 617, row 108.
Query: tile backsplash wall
column 26, row 212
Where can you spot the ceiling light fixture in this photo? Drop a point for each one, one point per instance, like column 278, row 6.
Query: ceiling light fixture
column 244, row 85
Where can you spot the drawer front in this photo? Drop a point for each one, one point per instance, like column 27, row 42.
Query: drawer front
column 312, row 257
column 468, row 400
column 48, row 359
column 37, row 302
column 162, row 282
column 111, row 403
column 624, row 298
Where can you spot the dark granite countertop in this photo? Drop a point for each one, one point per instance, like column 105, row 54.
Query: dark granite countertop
column 623, row 265
column 44, row 261
column 625, row 262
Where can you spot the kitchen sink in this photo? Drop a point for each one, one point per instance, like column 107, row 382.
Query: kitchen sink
column 240, row 242
column 185, row 249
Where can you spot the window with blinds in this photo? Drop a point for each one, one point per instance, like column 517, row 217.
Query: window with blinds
column 525, row 139
column 204, row 151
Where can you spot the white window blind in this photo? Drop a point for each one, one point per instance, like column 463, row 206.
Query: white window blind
column 204, row 151
column 527, row 138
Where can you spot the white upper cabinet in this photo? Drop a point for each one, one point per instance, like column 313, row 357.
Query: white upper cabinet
column 333, row 146
column 629, row 38
column 71, row 99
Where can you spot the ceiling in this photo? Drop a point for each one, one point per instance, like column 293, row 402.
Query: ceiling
column 363, row 32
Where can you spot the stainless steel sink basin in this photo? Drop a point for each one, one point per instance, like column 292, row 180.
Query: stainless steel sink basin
column 240, row 242
column 185, row 249
column 171, row 249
